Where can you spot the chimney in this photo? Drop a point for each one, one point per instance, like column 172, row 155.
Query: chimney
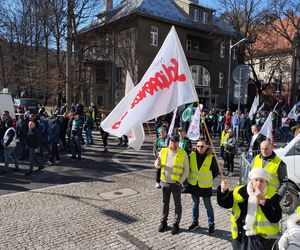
column 108, row 5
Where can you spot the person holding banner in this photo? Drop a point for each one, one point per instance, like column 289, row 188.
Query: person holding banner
column 203, row 169
column 256, row 211
column 174, row 165
column 268, row 160
column 161, row 142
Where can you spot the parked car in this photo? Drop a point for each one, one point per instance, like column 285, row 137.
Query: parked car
column 25, row 104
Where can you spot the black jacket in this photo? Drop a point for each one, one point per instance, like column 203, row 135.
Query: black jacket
column 33, row 138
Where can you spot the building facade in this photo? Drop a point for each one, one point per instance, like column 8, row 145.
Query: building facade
column 128, row 37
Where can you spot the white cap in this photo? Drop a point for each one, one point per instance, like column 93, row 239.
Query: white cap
column 259, row 173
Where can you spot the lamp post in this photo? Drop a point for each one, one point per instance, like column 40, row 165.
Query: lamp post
column 229, row 67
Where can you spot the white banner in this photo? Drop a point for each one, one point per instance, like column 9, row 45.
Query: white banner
column 254, row 107
column 292, row 114
column 267, row 128
column 261, row 107
column 194, row 128
column 136, row 136
column 166, row 85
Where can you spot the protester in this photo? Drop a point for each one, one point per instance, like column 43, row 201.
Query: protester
column 268, row 160
column 88, row 127
column 184, row 142
column 44, row 127
column 33, row 142
column 76, row 137
column 254, row 145
column 230, row 151
column 104, row 134
column 256, row 212
column 161, row 142
column 9, row 144
column 203, row 169
column 223, row 139
column 22, row 130
column 174, row 165
column 54, row 136
column 63, row 121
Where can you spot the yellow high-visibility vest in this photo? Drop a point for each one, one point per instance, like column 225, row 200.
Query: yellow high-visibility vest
column 272, row 168
column 204, row 175
column 298, row 210
column 178, row 164
column 223, row 137
column 236, row 212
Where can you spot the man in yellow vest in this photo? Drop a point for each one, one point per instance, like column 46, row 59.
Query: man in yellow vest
column 223, row 139
column 174, row 164
column 256, row 212
column 298, row 210
column 203, row 169
column 268, row 160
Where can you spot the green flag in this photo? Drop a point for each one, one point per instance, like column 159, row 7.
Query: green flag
column 187, row 113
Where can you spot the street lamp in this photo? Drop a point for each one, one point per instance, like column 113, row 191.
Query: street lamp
column 229, row 67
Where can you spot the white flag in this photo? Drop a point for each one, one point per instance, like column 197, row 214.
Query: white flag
column 292, row 114
column 267, row 128
column 261, row 107
column 254, row 107
column 136, row 136
column 194, row 128
column 171, row 128
column 166, row 85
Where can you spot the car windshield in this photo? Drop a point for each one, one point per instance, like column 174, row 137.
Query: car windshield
column 29, row 102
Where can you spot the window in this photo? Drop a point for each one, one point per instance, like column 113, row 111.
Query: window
column 222, row 50
column 99, row 100
column 118, row 75
column 196, row 15
column 153, row 36
column 204, row 17
column 234, row 55
column 188, row 45
column 196, row 46
column 262, row 65
column 221, row 79
column 201, row 75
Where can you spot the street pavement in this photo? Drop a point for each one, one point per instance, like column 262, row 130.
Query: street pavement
column 105, row 201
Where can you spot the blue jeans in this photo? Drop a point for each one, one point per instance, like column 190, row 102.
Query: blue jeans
column 208, row 206
column 32, row 159
column 10, row 153
column 89, row 136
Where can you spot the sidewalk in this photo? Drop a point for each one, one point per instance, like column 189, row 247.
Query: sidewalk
column 84, row 216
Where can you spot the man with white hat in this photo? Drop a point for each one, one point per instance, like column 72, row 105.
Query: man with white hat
column 256, row 211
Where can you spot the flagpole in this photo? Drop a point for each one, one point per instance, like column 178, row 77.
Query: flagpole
column 152, row 138
column 212, row 147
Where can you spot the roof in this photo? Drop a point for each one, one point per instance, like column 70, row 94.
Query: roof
column 269, row 40
column 166, row 10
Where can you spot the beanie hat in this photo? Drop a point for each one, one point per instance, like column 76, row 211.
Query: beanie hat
column 259, row 173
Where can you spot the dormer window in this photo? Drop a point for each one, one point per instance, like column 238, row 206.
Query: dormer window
column 196, row 15
column 204, row 17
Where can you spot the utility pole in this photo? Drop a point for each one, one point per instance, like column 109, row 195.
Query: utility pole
column 69, row 55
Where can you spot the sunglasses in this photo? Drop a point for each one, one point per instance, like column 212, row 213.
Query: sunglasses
column 200, row 146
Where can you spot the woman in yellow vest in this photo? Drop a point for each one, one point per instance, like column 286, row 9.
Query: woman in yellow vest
column 203, row 169
column 256, row 212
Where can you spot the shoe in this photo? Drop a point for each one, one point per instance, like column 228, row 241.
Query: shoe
column 157, row 185
column 211, row 229
column 125, row 145
column 49, row 162
column 40, row 168
column 225, row 173
column 120, row 144
column 175, row 229
column 73, row 157
column 78, row 158
column 2, row 172
column 230, row 174
column 194, row 226
column 105, row 150
column 162, row 227
column 28, row 173
column 184, row 190
column 16, row 170
column 57, row 162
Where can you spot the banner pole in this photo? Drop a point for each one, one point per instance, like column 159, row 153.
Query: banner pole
column 212, row 147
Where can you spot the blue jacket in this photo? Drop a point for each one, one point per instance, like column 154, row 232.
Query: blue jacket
column 54, row 132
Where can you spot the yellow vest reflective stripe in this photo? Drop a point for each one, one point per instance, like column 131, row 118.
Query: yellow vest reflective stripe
column 298, row 210
column 236, row 211
column 223, row 137
column 263, row 226
column 178, row 164
column 204, row 175
column 271, row 167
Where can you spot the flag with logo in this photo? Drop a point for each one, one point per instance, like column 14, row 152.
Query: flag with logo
column 254, row 107
column 187, row 113
column 136, row 136
column 166, row 85
column 194, row 128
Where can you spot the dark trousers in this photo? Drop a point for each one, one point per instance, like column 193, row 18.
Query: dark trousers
column 63, row 139
column 104, row 136
column 175, row 190
column 158, row 175
column 259, row 243
column 76, row 146
column 54, row 151
column 32, row 159
column 229, row 161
